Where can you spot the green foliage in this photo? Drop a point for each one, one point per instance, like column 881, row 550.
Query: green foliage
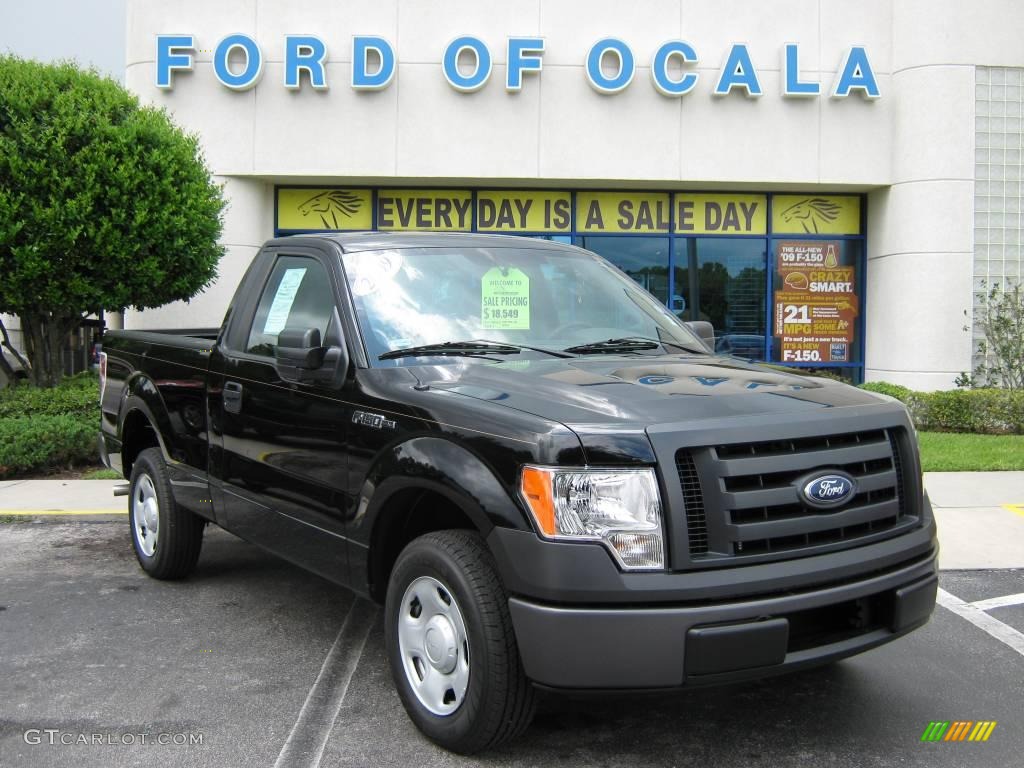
column 897, row 391
column 104, row 204
column 981, row 411
column 1000, row 318
column 48, row 429
column 76, row 396
column 29, row 444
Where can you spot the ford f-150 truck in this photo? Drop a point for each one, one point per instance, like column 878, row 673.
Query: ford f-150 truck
column 545, row 477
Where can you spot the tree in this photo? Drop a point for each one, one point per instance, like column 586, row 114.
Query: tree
column 104, row 204
column 999, row 315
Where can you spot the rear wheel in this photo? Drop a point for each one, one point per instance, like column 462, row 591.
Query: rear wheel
column 167, row 538
column 451, row 646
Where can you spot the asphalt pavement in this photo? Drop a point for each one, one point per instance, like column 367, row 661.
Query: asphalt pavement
column 254, row 662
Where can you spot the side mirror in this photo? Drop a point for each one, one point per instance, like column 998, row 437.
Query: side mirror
column 704, row 330
column 300, row 349
column 301, row 358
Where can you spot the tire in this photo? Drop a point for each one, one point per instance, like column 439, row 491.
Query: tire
column 496, row 701
column 171, row 549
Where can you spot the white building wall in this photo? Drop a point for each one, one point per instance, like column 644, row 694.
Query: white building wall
column 921, row 229
column 912, row 149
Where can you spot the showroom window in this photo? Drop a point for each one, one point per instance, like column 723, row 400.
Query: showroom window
column 779, row 276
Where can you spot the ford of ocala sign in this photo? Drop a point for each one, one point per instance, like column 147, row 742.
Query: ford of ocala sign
column 466, row 64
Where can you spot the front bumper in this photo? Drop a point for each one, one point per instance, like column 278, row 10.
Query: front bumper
column 722, row 641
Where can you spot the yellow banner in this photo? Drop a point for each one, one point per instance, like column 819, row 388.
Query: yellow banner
column 816, row 214
column 720, row 214
column 324, row 209
column 622, row 212
column 515, row 210
column 439, row 210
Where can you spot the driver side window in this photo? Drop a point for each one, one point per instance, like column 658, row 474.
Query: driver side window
column 297, row 295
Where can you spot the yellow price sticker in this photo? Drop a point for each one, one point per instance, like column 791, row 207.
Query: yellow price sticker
column 505, row 299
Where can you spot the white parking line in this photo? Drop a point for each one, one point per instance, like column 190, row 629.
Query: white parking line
column 994, row 627
column 305, row 745
column 999, row 602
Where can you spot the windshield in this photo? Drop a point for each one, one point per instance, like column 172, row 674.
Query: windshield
column 536, row 299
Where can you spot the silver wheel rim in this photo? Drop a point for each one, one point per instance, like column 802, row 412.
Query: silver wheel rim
column 434, row 645
column 145, row 515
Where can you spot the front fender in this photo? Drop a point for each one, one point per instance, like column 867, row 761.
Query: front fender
column 446, row 468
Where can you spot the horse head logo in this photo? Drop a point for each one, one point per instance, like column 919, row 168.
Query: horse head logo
column 812, row 212
column 329, row 205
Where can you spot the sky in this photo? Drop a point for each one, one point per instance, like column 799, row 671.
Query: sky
column 91, row 32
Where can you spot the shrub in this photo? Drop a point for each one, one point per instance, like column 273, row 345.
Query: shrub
column 34, row 443
column 981, row 411
column 898, row 391
column 1000, row 318
column 48, row 429
column 78, row 395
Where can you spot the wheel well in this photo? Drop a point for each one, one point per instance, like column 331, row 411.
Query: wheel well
column 410, row 514
column 138, row 435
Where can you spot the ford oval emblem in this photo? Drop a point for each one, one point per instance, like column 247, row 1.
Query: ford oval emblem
column 829, row 490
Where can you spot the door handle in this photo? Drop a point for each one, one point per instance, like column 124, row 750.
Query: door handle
column 232, row 397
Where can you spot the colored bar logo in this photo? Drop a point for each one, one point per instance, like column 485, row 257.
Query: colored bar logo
column 958, row 730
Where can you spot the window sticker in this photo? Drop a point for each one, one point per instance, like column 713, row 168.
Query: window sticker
column 287, row 289
column 505, row 300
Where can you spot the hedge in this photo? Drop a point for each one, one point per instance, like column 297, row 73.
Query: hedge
column 75, row 396
column 43, row 430
column 981, row 411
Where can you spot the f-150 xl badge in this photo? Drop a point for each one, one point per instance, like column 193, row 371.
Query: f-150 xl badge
column 374, row 420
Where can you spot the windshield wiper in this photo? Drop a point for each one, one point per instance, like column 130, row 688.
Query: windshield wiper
column 552, row 352
column 627, row 344
column 614, row 345
column 451, row 348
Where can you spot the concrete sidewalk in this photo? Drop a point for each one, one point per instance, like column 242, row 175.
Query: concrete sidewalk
column 61, row 497
column 980, row 514
column 980, row 517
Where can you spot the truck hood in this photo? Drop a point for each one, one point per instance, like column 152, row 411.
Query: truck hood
column 640, row 390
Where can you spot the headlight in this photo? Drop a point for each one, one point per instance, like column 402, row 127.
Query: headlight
column 619, row 507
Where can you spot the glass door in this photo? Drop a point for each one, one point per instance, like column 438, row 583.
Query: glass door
column 727, row 278
column 643, row 258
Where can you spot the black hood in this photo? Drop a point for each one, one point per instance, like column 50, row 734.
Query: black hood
column 640, row 391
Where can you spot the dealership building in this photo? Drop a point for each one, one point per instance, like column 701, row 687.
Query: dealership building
column 827, row 183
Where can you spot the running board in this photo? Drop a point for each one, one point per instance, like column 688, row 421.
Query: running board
column 122, row 490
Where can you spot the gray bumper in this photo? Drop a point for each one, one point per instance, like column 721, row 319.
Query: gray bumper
column 672, row 646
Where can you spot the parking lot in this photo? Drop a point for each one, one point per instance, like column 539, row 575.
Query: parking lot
column 270, row 665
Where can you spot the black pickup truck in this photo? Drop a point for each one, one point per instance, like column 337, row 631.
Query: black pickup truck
column 546, row 478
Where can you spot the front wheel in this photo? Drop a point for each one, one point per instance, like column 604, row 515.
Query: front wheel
column 167, row 538
column 451, row 645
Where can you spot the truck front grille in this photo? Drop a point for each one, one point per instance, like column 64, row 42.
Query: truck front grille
column 743, row 498
column 693, row 498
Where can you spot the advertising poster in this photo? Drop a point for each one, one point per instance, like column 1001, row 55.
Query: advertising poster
column 815, row 303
